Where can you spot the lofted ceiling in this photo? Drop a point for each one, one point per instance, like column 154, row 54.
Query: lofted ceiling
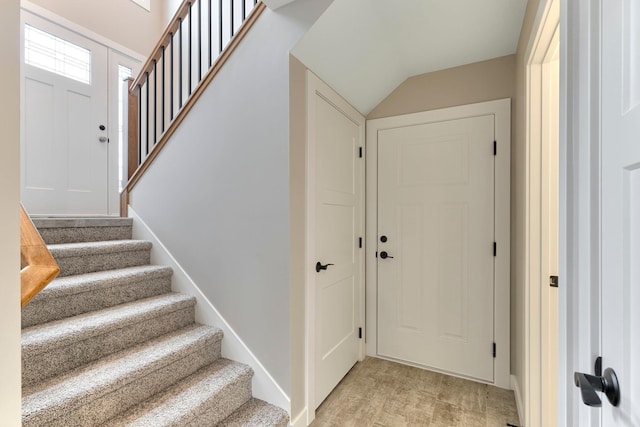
column 364, row 49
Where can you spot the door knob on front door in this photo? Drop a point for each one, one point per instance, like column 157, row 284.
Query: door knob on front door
column 385, row 255
column 103, row 139
column 319, row 266
column 590, row 384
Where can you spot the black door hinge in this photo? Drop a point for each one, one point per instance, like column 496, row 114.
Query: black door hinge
column 495, row 148
column 494, row 350
column 360, row 152
column 360, row 242
column 495, row 249
column 553, row 281
column 360, row 333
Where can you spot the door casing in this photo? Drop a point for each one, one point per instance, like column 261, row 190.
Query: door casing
column 533, row 407
column 315, row 85
column 501, row 109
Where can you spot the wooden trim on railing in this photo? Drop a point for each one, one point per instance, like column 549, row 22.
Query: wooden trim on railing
column 199, row 90
column 38, row 267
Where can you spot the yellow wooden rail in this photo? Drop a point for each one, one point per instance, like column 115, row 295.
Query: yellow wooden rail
column 38, row 267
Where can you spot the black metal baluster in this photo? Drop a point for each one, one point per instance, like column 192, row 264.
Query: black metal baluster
column 180, row 65
column 139, row 125
column 220, row 24
column 190, row 49
column 244, row 10
column 155, row 101
column 171, row 77
column 164, row 86
column 147, row 112
column 199, row 40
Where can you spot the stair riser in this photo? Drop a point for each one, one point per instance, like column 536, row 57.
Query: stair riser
column 100, row 262
column 221, row 405
column 44, row 309
column 53, row 236
column 94, row 410
column 56, row 361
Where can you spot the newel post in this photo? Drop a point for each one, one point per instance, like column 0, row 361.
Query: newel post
column 131, row 150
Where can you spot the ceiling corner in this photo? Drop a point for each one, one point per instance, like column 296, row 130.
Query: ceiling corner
column 275, row 4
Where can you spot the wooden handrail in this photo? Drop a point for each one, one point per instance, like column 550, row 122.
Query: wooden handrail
column 38, row 267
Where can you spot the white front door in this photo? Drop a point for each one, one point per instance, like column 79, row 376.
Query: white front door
column 336, row 167
column 64, row 148
column 620, row 207
column 436, row 245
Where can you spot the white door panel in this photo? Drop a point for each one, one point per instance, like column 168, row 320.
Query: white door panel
column 335, row 137
column 620, row 183
column 436, row 208
column 64, row 163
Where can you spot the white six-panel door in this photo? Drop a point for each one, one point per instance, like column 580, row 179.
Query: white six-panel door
column 64, row 152
column 435, row 245
column 336, row 221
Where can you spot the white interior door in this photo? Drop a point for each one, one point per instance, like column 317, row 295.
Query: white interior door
column 64, row 142
column 336, row 133
column 436, row 245
column 620, row 208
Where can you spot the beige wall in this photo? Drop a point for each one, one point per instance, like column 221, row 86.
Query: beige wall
column 297, row 227
column 467, row 84
column 122, row 21
column 518, row 166
column 10, row 390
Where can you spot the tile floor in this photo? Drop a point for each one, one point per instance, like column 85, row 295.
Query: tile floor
column 380, row 393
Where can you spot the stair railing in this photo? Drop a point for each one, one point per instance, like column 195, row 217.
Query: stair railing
column 37, row 266
column 196, row 43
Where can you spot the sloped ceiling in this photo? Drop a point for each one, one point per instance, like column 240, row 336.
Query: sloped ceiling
column 365, row 48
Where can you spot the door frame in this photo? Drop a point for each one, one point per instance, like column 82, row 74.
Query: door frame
column 536, row 241
column 579, row 230
column 501, row 109
column 116, row 54
column 315, row 85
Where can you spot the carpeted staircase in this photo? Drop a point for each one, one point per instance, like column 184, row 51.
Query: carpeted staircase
column 108, row 343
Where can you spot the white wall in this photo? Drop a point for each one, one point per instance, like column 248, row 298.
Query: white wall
column 10, row 390
column 217, row 196
column 169, row 9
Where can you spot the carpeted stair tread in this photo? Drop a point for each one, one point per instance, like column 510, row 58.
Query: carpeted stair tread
column 97, row 248
column 257, row 413
column 58, row 347
column 97, row 392
column 72, row 295
column 88, row 257
column 68, row 230
column 205, row 398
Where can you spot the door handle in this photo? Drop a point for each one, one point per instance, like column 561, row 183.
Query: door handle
column 385, row 255
column 590, row 384
column 319, row 266
column 103, row 139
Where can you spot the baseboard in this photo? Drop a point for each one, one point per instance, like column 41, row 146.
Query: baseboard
column 516, row 390
column 300, row 420
column 264, row 386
